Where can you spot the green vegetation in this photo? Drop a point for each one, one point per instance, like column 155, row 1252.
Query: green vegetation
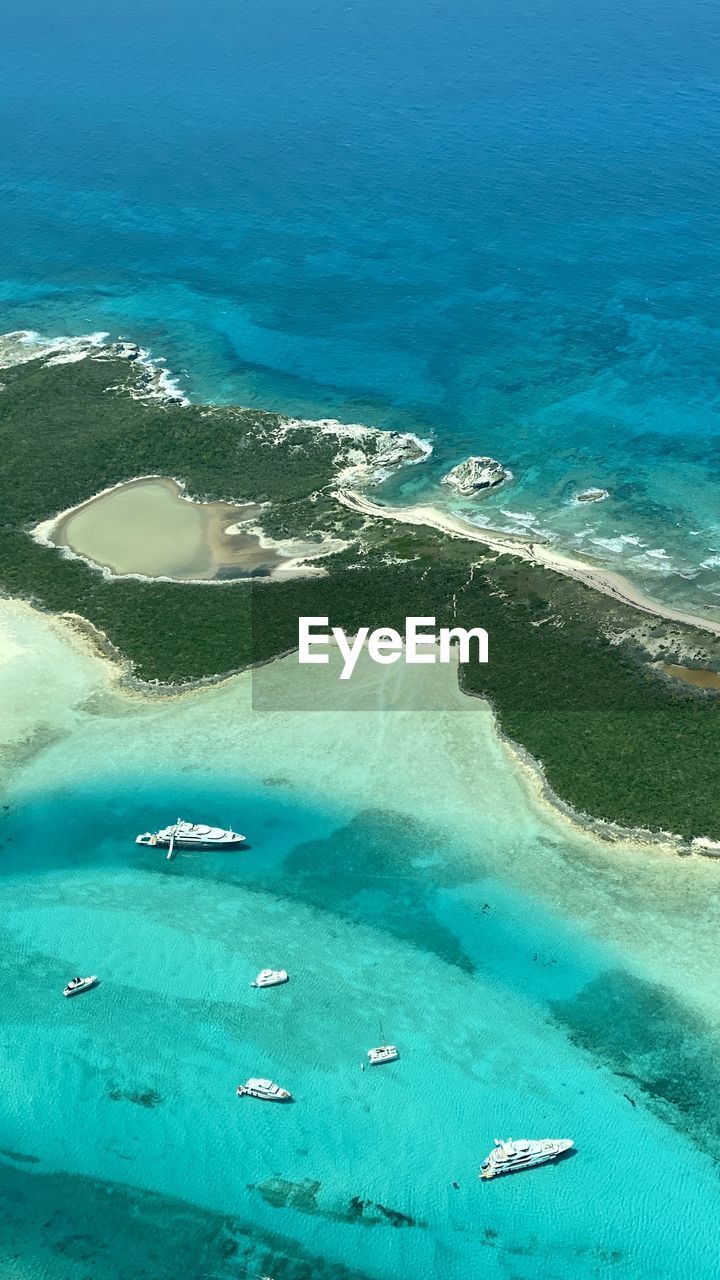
column 616, row 740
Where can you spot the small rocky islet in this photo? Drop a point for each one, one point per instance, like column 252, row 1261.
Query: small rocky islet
column 476, row 475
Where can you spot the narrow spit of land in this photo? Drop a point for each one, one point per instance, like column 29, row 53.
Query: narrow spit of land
column 606, row 581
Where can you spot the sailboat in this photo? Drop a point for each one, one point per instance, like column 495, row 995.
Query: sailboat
column 382, row 1052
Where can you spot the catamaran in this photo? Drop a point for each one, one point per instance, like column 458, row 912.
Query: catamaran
column 76, row 985
column 190, row 835
column 523, row 1153
column 382, row 1053
column 265, row 1089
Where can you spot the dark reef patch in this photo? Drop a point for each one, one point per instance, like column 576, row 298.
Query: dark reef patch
column 116, row 1232
column 384, row 852
column 645, row 1035
column 281, row 1193
column 140, row 1097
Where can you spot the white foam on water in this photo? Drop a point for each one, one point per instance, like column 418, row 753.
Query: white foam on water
column 22, row 345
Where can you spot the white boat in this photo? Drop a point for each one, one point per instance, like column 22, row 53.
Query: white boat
column 382, row 1053
column 76, row 985
column 255, row 1088
column 270, row 978
column 190, row 835
column 523, row 1153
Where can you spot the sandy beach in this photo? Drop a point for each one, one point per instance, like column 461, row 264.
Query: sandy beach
column 599, row 579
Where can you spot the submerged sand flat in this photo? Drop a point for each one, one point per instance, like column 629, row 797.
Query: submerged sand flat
column 372, row 742
column 147, row 527
column 400, row 869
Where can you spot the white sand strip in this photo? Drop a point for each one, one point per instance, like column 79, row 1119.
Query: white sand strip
column 605, row 580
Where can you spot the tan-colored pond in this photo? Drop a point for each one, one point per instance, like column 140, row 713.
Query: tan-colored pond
column 146, row 527
column 698, row 676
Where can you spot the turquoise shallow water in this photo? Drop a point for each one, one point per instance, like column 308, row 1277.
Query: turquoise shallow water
column 130, row 1090
column 535, row 982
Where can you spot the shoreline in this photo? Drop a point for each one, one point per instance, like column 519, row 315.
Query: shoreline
column 158, row 383
column 89, row 640
column 606, row 581
column 605, row 832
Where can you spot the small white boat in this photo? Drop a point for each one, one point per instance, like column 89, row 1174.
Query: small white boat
column 382, row 1053
column 76, row 985
column 523, row 1153
column 190, row 835
column 265, row 1089
column 270, row 978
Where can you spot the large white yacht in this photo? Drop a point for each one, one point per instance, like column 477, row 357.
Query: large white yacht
column 190, row 835
column 522, row 1153
column 265, row 1089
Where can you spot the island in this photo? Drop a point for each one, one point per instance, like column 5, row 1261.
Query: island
column 585, row 680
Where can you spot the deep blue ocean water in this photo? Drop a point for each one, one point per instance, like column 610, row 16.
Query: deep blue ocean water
column 495, row 223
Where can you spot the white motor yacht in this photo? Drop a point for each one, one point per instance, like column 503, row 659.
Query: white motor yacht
column 255, row 1088
column 270, row 978
column 190, row 835
column 383, row 1053
column 76, row 985
column 522, row 1153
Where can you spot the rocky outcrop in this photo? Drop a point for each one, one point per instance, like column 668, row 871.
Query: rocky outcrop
column 592, row 495
column 150, row 380
column 363, row 455
column 476, row 475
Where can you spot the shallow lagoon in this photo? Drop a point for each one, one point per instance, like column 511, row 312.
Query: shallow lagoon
column 148, row 527
column 401, row 871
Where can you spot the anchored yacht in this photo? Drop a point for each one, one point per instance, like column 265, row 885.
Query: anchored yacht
column 523, row 1153
column 270, row 978
column 383, row 1053
column 190, row 835
column 76, row 985
column 265, row 1089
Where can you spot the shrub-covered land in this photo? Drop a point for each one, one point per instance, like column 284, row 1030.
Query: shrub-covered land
column 616, row 740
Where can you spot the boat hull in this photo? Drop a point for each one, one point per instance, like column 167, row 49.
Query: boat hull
column 193, row 844
column 283, row 1096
